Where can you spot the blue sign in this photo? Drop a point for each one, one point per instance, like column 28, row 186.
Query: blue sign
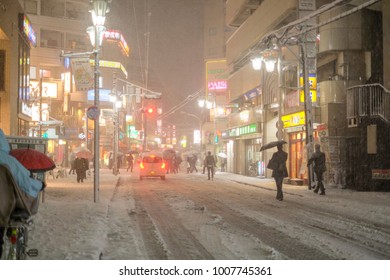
column 104, row 95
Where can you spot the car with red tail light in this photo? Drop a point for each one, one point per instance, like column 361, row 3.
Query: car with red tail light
column 152, row 165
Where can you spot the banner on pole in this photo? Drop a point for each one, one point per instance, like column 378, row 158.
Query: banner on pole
column 82, row 73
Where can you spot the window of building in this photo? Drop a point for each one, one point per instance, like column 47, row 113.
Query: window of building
column 75, row 10
column 51, row 39
column 76, row 42
column 24, row 70
column 31, row 7
column 53, row 8
column 2, row 70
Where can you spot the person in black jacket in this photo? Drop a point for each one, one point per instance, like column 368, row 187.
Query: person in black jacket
column 210, row 164
column 318, row 158
column 279, row 171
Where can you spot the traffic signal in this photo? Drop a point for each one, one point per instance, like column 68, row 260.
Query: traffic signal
column 150, row 110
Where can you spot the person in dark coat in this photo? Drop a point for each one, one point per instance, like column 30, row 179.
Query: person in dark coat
column 279, row 171
column 130, row 162
column 210, row 164
column 318, row 158
column 80, row 166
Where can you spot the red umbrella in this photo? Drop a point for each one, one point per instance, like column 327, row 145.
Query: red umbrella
column 33, row 160
column 84, row 154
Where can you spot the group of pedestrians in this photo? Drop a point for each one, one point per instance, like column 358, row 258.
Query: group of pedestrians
column 279, row 169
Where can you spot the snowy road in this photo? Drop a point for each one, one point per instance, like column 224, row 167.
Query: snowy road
column 189, row 217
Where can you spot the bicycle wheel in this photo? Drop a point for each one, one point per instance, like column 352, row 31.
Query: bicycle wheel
column 21, row 243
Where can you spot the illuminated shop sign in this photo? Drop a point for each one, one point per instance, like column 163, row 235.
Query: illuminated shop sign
column 104, row 95
column 295, row 119
column 217, row 85
column 110, row 64
column 27, row 29
column 242, row 130
column 216, row 76
column 48, row 89
column 312, row 86
column 115, row 35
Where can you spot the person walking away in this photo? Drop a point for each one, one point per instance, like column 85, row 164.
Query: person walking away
column 210, row 163
column 79, row 165
column 223, row 164
column 279, row 170
column 72, row 157
column 204, row 163
column 318, row 158
column 86, row 167
column 130, row 162
column 194, row 160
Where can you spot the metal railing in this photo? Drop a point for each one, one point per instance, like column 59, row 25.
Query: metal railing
column 371, row 100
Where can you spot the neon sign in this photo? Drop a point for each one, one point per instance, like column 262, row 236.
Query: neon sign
column 29, row 31
column 217, row 85
column 115, row 35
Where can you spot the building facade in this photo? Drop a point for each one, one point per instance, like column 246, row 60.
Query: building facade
column 57, row 102
column 274, row 99
column 17, row 38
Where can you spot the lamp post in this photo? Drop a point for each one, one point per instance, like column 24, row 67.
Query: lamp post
column 98, row 11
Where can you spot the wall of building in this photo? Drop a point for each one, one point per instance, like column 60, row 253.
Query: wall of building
column 386, row 43
column 9, row 13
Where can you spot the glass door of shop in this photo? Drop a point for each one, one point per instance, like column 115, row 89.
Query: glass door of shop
column 296, row 154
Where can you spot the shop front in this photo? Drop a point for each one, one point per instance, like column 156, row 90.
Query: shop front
column 243, row 150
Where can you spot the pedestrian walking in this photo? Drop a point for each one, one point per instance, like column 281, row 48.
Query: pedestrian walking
column 279, row 170
column 130, row 162
column 72, row 157
column 210, row 163
column 204, row 163
column 81, row 169
column 318, row 158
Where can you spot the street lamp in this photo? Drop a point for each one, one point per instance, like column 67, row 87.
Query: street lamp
column 98, row 11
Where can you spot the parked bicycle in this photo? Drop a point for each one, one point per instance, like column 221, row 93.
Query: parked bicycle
column 16, row 237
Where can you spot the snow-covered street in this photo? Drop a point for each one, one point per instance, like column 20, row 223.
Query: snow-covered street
column 188, row 217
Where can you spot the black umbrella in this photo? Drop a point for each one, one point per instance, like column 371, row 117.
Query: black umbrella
column 272, row 144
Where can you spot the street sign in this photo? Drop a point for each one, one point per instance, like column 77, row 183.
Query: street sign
column 93, row 113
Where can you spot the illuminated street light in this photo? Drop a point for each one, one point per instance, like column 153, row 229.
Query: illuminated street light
column 98, row 11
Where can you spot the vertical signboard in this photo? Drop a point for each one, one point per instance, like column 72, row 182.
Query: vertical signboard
column 216, row 76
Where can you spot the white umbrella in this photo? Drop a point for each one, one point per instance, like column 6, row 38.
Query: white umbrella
column 222, row 155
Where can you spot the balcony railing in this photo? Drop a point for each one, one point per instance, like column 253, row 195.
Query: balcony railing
column 367, row 101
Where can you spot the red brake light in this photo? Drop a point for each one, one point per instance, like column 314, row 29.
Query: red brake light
column 142, row 165
column 163, row 165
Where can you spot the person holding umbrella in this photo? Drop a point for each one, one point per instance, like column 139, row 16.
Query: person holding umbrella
column 279, row 169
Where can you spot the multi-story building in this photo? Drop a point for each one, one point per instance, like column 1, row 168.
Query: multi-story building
column 17, row 38
column 214, row 111
column 346, row 53
column 58, row 103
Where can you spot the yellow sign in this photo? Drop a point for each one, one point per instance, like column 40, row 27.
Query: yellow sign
column 312, row 86
column 294, row 119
